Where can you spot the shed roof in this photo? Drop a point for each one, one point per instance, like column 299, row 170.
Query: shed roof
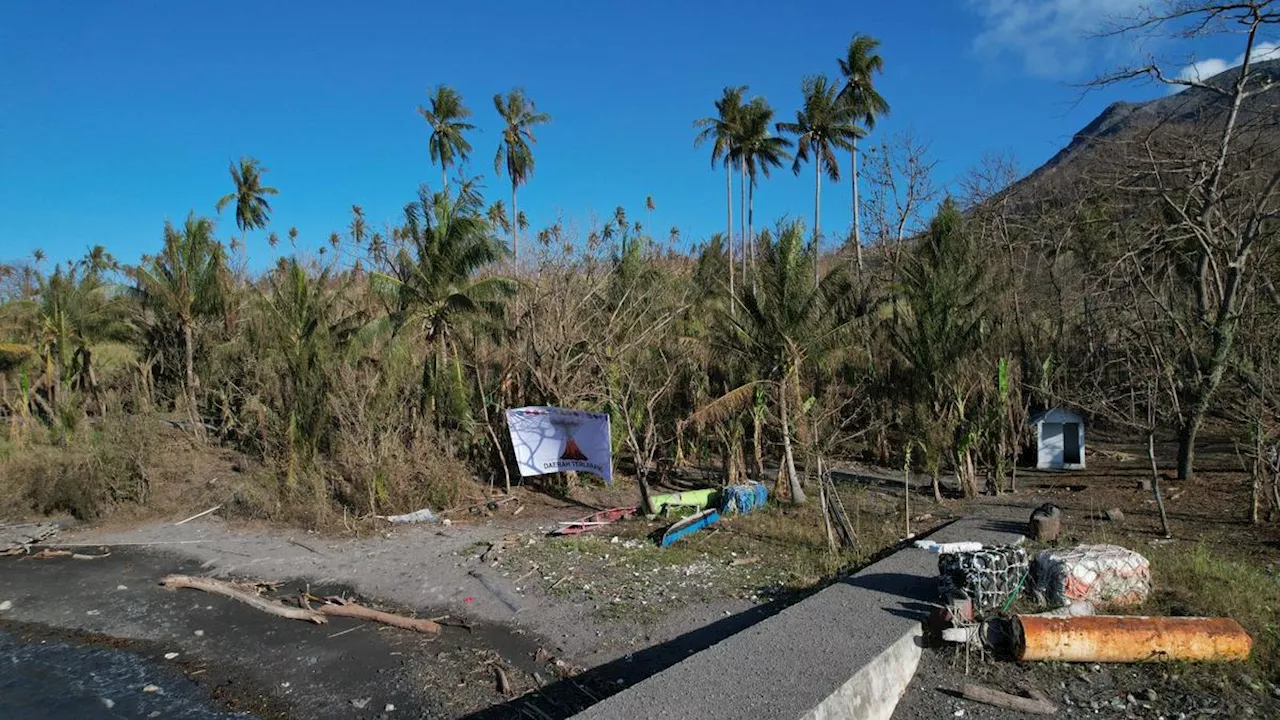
column 1055, row 415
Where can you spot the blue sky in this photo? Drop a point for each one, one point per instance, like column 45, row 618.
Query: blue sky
column 115, row 116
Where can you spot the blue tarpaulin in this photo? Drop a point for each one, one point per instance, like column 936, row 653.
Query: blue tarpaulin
column 743, row 498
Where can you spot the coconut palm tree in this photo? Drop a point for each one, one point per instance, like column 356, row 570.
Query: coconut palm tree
column 447, row 118
column 721, row 130
column 758, row 151
column 432, row 291
column 74, row 311
column 823, row 126
column 185, row 283
column 519, row 116
column 253, row 211
column 786, row 324
column 860, row 63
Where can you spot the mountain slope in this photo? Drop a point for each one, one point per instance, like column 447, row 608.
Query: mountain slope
column 1189, row 106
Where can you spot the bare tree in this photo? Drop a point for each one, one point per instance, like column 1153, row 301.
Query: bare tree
column 1216, row 183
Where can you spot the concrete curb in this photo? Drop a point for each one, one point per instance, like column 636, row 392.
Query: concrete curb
column 847, row 651
column 873, row 692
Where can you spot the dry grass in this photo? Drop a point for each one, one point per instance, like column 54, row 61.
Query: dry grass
column 774, row 553
column 1198, row 581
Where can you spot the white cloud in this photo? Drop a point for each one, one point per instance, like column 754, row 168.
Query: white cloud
column 1051, row 38
column 1207, row 68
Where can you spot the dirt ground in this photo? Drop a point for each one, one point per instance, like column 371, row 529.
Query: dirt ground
column 1209, row 516
column 569, row 620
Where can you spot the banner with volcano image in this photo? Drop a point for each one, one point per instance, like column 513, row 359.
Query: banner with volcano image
column 552, row 439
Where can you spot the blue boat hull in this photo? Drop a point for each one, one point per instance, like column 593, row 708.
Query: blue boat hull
column 689, row 526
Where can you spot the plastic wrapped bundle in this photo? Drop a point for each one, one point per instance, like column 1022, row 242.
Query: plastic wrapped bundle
column 1100, row 574
column 743, row 498
column 987, row 577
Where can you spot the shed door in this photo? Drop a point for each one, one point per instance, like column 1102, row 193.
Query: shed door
column 1051, row 445
column 1071, row 443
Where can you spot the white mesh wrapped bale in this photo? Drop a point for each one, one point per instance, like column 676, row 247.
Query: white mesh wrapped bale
column 1100, row 574
column 987, row 577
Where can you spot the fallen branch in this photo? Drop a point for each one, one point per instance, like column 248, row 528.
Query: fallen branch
column 304, row 546
column 248, row 596
column 215, row 508
column 995, row 698
column 340, row 608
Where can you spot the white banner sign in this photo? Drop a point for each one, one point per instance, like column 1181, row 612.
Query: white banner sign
column 551, row 439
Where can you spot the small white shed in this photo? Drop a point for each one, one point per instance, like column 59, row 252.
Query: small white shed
column 1059, row 439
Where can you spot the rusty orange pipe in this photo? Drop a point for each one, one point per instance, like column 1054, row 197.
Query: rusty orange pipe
column 1106, row 638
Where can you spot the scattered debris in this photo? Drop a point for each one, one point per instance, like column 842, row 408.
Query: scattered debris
column 948, row 548
column 837, row 520
column 85, row 556
column 995, row 698
column 150, row 688
column 1110, row 638
column 339, row 607
column 499, row 546
column 170, row 655
column 689, row 526
column 344, row 632
column 1115, row 515
column 18, row 539
column 51, row 553
column 388, row 708
column 503, row 682
column 304, row 546
column 745, row 560
column 6, row 605
column 47, row 553
column 1100, row 574
column 1078, row 608
column 360, row 703
column 1045, row 524
column 496, row 591
column 247, row 594
column 594, row 521
column 417, row 516
column 215, row 508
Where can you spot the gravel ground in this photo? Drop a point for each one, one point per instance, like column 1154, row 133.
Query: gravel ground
column 1172, row 692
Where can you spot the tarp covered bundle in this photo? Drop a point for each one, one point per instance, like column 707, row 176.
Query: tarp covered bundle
column 743, row 498
column 987, row 577
column 1100, row 574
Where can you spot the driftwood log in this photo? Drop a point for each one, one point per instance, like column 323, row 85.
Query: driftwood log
column 245, row 594
column 995, row 698
column 340, row 608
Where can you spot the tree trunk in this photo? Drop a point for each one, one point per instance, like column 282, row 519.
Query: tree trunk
column 189, row 361
column 1155, row 482
column 788, row 460
column 1255, row 497
column 1187, row 443
column 817, row 197
column 444, row 179
column 749, row 247
column 742, row 219
column 937, row 485
column 757, row 440
column 857, row 215
column 728, row 196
